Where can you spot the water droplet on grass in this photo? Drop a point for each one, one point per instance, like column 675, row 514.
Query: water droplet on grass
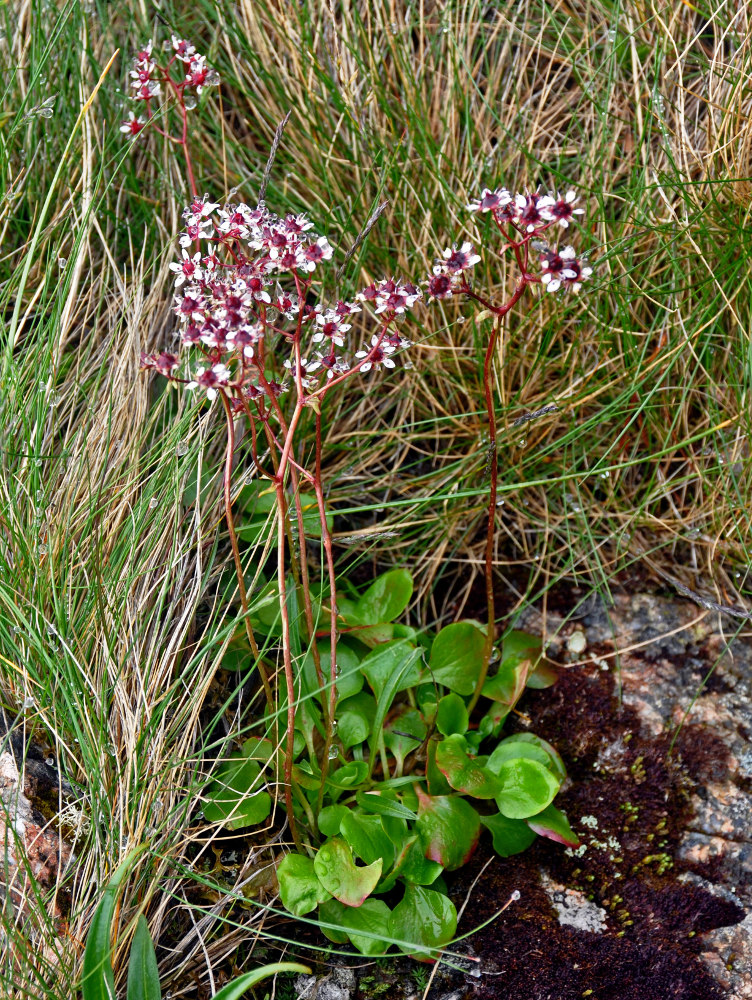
column 181, row 448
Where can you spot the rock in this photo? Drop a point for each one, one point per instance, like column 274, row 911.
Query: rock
column 573, row 908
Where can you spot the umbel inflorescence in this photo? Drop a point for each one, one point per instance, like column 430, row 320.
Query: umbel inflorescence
column 521, row 219
column 245, row 276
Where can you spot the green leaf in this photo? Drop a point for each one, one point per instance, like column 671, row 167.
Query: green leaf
column 552, row 823
column 385, row 600
column 435, row 780
column 368, row 839
column 396, row 681
column 355, row 719
column 350, row 775
column 457, row 657
column 383, row 804
column 449, row 829
column 235, row 989
column 236, row 797
column 299, row 887
column 375, row 635
column 510, row 836
column 527, row 787
column 410, row 732
column 329, row 913
column 143, row 974
column 531, row 746
column 340, row 876
column 507, row 684
column 98, row 978
column 330, row 818
column 366, row 925
column 462, row 772
column 380, row 666
column 521, row 647
column 424, row 921
column 349, row 676
column 413, row 866
column 452, row 716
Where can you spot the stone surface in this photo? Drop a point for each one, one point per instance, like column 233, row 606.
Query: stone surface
column 677, row 664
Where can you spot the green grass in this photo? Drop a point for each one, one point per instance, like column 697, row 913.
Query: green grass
column 108, row 613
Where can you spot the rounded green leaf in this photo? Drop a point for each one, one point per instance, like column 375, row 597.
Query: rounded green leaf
column 462, row 772
column 299, row 887
column 355, row 719
column 383, row 663
column 452, row 716
column 385, row 599
column 349, row 676
column 528, row 745
column 423, row 922
column 457, row 657
column 510, row 836
column 367, row 838
column 527, row 787
column 404, row 734
column 350, row 775
column 340, row 876
column 330, row 818
column 449, row 829
column 365, row 925
column 236, row 797
column 552, row 823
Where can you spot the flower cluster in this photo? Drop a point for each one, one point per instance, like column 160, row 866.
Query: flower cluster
column 184, row 74
column 230, row 299
column 530, row 211
column 519, row 218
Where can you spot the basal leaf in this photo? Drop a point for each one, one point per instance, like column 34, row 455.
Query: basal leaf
column 381, row 665
column 299, row 886
column 350, row 775
column 510, row 836
column 349, row 676
column 236, row 797
column 404, row 734
column 424, row 921
column 366, row 925
column 330, row 818
column 448, row 828
column 385, row 599
column 367, row 838
column 528, row 745
column 143, row 974
column 552, row 823
column 340, row 876
column 462, row 772
column 451, row 716
column 355, row 719
column 457, row 657
column 527, row 787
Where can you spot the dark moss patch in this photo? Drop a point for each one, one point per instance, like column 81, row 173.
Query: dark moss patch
column 630, row 801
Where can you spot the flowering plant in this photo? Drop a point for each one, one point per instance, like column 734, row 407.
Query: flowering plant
column 521, row 219
column 367, row 771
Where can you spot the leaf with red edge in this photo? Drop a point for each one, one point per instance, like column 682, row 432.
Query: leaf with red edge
column 340, row 876
column 448, row 828
column 552, row 823
column 462, row 772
